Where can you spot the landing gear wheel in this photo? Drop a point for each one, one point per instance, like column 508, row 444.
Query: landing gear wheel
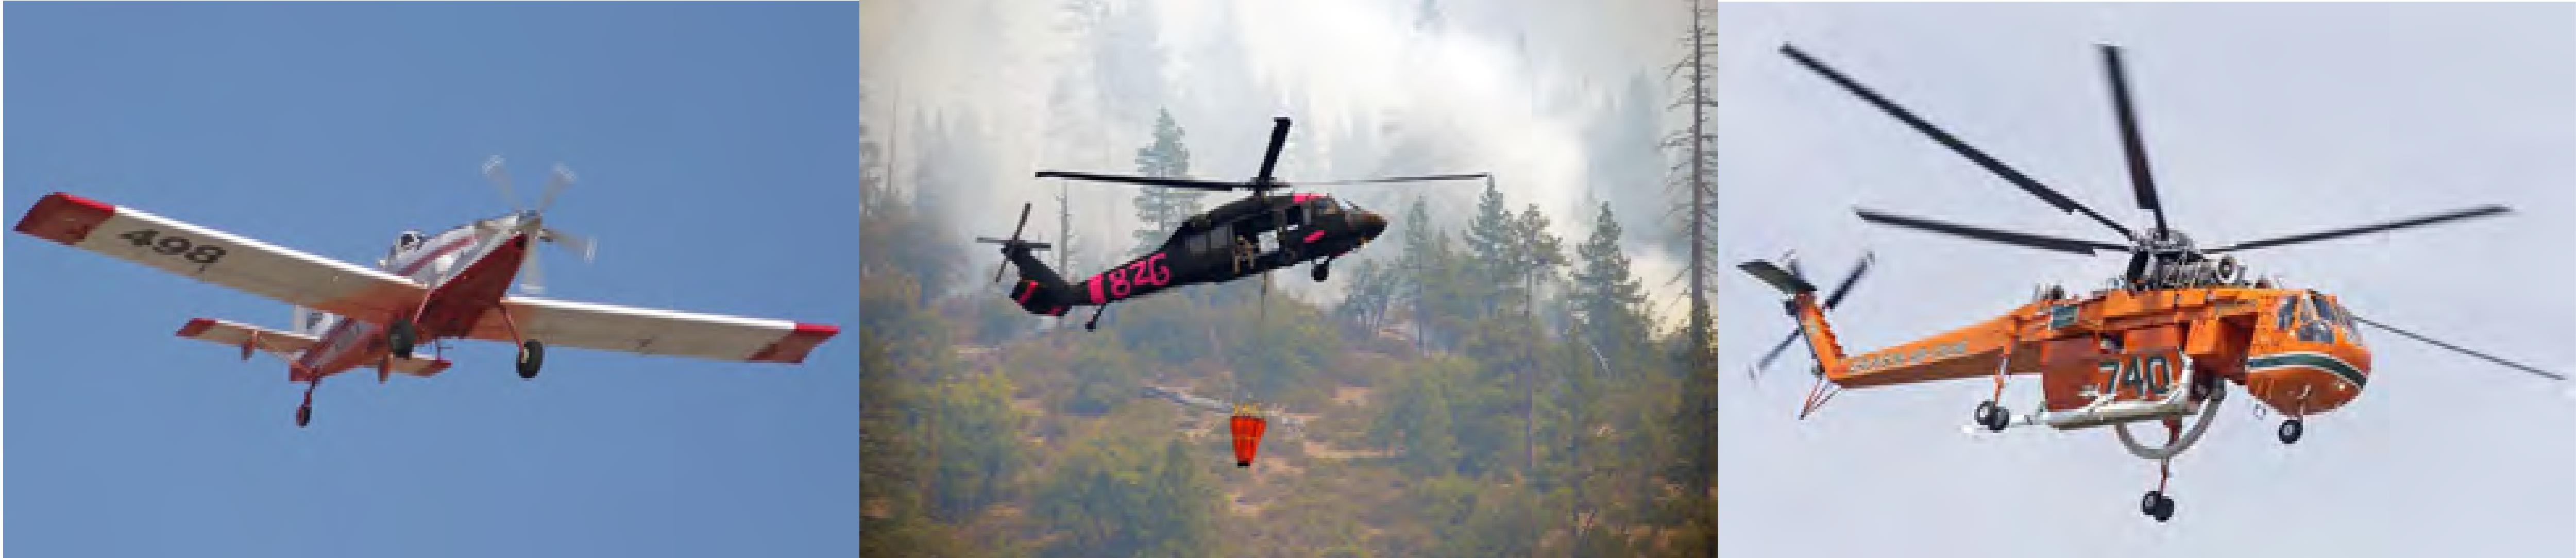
column 531, row 356
column 401, row 337
column 1323, row 269
column 2291, row 429
column 2156, row 505
column 1992, row 416
column 303, row 416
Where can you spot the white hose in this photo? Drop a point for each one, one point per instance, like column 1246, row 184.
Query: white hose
column 2208, row 414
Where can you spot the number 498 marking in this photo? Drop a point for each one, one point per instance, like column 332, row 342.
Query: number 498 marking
column 174, row 245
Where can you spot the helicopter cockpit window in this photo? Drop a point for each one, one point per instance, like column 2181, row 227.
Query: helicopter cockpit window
column 2288, row 315
column 2313, row 322
column 2343, row 317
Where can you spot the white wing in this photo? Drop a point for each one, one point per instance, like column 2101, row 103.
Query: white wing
column 221, row 258
column 654, row 332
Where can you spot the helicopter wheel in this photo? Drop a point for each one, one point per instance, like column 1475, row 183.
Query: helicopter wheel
column 2291, row 429
column 531, row 356
column 1992, row 416
column 1323, row 269
column 2157, row 505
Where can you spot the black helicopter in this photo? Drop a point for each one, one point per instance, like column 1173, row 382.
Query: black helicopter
column 1222, row 244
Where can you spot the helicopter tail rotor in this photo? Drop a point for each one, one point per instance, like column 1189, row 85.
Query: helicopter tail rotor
column 1014, row 243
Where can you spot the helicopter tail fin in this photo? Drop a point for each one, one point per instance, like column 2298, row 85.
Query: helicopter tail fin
column 1811, row 317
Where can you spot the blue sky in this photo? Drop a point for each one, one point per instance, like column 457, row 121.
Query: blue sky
column 717, row 150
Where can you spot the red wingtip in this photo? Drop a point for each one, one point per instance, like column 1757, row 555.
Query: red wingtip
column 195, row 327
column 792, row 348
column 64, row 218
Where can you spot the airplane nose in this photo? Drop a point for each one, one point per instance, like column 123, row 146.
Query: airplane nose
column 1371, row 225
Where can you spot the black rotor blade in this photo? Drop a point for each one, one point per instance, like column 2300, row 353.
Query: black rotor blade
column 1776, row 349
column 2084, row 247
column 1844, row 289
column 2053, row 198
column 2488, row 358
column 2140, row 178
column 1424, row 178
column 1270, row 158
column 2480, row 211
column 1192, row 183
column 2137, row 267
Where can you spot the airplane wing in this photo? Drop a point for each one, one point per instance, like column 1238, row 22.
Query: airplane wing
column 220, row 258
column 654, row 332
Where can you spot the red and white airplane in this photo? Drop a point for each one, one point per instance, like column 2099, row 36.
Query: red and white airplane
column 449, row 285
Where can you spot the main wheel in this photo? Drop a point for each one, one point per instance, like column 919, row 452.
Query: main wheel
column 2290, row 430
column 303, row 415
column 2158, row 506
column 1992, row 416
column 532, row 355
column 401, row 337
column 1323, row 269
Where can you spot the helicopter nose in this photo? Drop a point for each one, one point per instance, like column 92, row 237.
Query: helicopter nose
column 1370, row 224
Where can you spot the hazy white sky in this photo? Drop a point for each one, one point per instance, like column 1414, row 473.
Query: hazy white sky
column 1530, row 90
column 2262, row 120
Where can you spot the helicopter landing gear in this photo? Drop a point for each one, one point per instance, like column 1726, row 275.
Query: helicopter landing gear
column 2291, row 429
column 532, row 355
column 1992, row 416
column 2157, row 505
column 1323, row 269
column 1094, row 324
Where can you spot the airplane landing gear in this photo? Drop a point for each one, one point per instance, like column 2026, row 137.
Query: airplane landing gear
column 1992, row 416
column 401, row 337
column 304, row 412
column 2290, row 430
column 532, row 355
column 2157, row 505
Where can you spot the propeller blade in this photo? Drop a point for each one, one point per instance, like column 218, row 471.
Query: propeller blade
column 576, row 243
column 1424, row 178
column 2053, row 198
column 2461, row 350
column 2084, row 247
column 2139, row 177
column 2480, row 211
column 563, row 179
column 1836, row 299
column 1270, row 157
column 492, row 170
column 1191, row 183
column 532, row 275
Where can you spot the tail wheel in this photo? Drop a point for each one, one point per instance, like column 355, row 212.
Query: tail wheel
column 401, row 337
column 532, row 355
column 2291, row 429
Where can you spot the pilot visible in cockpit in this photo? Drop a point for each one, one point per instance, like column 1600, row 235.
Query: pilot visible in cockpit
column 409, row 240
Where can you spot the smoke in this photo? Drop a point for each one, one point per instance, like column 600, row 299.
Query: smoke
column 1532, row 92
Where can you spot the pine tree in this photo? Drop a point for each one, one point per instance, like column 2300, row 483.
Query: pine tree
column 1607, row 299
column 1160, row 208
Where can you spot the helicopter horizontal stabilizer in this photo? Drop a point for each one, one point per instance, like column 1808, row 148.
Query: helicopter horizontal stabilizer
column 1778, row 278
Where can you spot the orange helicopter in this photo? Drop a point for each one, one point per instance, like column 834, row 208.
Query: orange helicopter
column 2161, row 343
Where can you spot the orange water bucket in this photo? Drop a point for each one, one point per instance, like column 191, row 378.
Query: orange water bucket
column 1247, row 437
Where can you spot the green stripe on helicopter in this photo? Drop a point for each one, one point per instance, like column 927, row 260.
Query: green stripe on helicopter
column 2319, row 361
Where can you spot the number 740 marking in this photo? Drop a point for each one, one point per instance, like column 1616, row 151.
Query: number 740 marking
column 175, row 245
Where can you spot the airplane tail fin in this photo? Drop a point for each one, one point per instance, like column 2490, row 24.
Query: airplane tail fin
column 1040, row 290
column 1811, row 317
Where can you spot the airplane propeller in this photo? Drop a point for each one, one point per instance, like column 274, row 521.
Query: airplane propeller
column 531, row 221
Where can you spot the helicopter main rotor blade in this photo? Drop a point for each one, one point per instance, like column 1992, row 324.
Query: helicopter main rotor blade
column 2480, row 211
column 2140, row 178
column 1191, row 183
column 2488, row 358
column 2053, row 198
column 1424, row 178
column 2082, row 247
column 1270, row 157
